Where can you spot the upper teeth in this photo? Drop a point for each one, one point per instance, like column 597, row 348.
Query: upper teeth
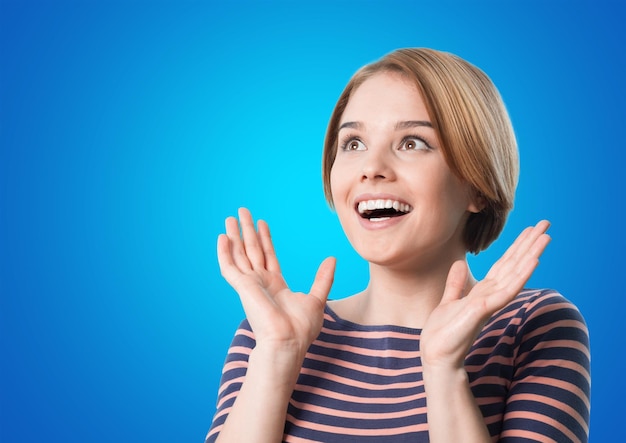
column 370, row 205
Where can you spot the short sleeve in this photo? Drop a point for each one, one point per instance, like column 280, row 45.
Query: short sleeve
column 549, row 396
column 233, row 374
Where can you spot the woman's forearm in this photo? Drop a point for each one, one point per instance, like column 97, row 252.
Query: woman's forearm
column 259, row 412
column 453, row 414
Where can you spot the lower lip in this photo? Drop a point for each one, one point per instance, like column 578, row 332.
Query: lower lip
column 382, row 224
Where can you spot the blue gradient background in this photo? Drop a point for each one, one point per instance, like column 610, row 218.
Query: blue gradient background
column 130, row 130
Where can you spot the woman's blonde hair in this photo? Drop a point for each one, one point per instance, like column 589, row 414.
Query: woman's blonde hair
column 472, row 124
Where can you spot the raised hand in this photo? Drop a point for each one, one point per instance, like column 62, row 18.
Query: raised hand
column 453, row 326
column 278, row 316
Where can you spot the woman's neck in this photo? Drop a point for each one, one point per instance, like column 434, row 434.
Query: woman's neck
column 398, row 297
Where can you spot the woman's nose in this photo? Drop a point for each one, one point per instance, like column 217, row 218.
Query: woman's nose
column 377, row 166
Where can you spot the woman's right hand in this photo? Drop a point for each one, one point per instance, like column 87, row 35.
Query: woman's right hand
column 280, row 318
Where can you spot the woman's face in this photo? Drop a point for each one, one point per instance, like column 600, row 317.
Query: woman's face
column 398, row 202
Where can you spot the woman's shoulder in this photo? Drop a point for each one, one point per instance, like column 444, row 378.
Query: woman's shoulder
column 534, row 302
column 538, row 310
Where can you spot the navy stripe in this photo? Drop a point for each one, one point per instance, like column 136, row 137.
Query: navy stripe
column 408, row 344
column 369, row 407
column 365, row 376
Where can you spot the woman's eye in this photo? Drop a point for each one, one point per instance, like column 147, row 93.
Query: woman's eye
column 354, row 145
column 413, row 144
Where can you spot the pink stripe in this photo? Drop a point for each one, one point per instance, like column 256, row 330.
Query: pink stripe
column 546, row 308
column 363, row 368
column 573, row 413
column 245, row 333
column 358, row 415
column 558, row 343
column 239, row 350
column 226, row 398
column 230, row 382
column 214, row 431
column 359, row 384
column 493, row 359
column 549, row 363
column 496, row 418
column 367, row 334
column 356, row 431
column 368, row 351
column 529, row 435
column 503, row 315
column 572, row 388
column 236, row 364
column 498, row 333
column 359, row 399
column 292, row 439
column 490, row 380
column 528, row 415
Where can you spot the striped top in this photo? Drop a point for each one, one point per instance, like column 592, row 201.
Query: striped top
column 528, row 370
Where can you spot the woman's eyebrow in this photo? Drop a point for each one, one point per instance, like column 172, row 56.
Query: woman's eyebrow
column 400, row 125
column 412, row 124
column 353, row 125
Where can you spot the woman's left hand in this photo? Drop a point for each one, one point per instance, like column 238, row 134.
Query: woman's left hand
column 453, row 326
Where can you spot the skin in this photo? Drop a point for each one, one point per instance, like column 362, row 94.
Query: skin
column 418, row 272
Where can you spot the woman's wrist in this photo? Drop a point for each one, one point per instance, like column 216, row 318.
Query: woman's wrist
column 453, row 414
column 280, row 361
column 258, row 413
column 444, row 378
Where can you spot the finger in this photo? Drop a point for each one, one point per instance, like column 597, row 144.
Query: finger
column 238, row 251
column 522, row 247
column 456, row 281
column 534, row 233
column 530, row 261
column 251, row 243
column 540, row 245
column 225, row 259
column 271, row 261
column 521, row 238
column 323, row 280
column 511, row 281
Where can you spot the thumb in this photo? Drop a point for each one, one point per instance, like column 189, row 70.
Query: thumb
column 323, row 279
column 455, row 283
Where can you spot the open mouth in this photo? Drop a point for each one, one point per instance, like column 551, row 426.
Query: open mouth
column 379, row 210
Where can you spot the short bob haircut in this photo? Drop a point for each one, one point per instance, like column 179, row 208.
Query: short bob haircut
column 471, row 122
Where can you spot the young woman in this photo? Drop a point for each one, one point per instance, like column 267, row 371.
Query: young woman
column 420, row 163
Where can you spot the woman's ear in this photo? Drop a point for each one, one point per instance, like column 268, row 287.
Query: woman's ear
column 477, row 202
